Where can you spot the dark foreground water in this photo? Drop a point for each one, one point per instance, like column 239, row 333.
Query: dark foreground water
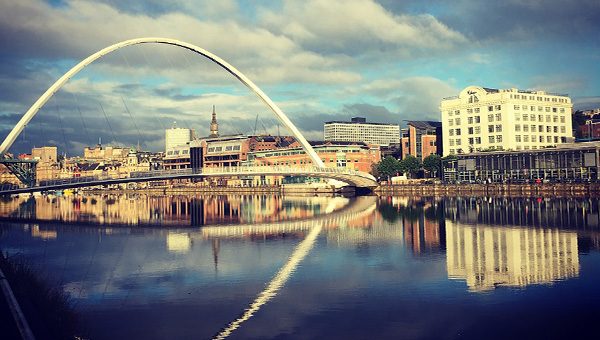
column 148, row 267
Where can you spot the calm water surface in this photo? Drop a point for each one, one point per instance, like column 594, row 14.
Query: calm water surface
column 183, row 267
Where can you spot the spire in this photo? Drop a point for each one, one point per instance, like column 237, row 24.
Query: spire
column 214, row 126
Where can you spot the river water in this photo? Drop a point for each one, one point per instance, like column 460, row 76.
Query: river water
column 198, row 267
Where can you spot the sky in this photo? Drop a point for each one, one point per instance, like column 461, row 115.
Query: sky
column 318, row 60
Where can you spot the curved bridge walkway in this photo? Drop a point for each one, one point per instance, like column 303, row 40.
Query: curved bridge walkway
column 351, row 177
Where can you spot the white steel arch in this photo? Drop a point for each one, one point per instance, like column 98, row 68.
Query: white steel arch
column 14, row 133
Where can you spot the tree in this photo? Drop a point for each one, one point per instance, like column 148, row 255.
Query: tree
column 389, row 166
column 410, row 164
column 433, row 164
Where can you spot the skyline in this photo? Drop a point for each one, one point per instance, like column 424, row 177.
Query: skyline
column 384, row 61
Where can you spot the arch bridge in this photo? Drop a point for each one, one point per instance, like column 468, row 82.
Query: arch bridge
column 349, row 176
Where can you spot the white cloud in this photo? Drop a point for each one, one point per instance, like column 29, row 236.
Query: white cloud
column 357, row 26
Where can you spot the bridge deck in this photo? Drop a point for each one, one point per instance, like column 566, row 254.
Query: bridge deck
column 351, row 177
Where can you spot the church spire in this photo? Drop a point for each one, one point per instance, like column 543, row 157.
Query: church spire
column 214, row 126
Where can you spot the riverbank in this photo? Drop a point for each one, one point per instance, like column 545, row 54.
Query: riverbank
column 45, row 307
column 545, row 189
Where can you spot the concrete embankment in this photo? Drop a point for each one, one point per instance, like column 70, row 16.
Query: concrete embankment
column 546, row 189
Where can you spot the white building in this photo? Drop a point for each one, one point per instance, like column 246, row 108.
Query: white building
column 176, row 137
column 358, row 130
column 495, row 119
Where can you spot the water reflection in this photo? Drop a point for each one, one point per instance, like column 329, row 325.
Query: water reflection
column 324, row 259
column 161, row 210
column 487, row 257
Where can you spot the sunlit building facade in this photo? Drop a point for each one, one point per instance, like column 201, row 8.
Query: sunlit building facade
column 358, row 130
column 481, row 119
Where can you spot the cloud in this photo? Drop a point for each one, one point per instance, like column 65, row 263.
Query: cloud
column 507, row 21
column 357, row 27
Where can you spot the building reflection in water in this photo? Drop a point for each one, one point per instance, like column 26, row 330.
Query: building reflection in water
column 490, row 256
column 168, row 211
column 178, row 242
column 419, row 221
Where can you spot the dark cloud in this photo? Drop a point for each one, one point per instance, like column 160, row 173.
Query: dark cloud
column 533, row 20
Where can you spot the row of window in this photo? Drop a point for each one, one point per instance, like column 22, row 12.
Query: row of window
column 492, row 108
column 540, row 128
column 538, row 98
column 539, row 108
column 532, row 117
column 539, row 139
column 227, row 148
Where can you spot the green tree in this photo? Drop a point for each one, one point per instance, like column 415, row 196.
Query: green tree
column 410, row 164
column 433, row 164
column 389, row 166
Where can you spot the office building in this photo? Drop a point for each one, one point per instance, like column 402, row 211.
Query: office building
column 176, row 136
column 358, row 130
column 481, row 119
column 422, row 138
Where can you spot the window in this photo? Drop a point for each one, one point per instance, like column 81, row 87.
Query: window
column 498, row 138
column 518, row 138
column 547, row 109
column 458, row 132
column 555, row 128
column 517, row 107
column 470, row 120
column 562, row 129
column 491, row 139
column 562, row 119
column 525, row 128
column 458, row 141
column 490, row 108
column 541, row 109
column 450, row 122
column 469, row 110
column 498, row 107
column 518, row 128
column 498, row 116
column 555, row 139
column 498, row 128
column 477, row 119
column 533, row 128
column 532, row 117
column 525, row 107
column 490, row 118
column 457, row 121
column 547, row 118
column 470, row 131
column 525, row 118
column 477, row 110
column 490, row 128
column 477, row 129
column 477, row 140
column 548, row 139
column 562, row 110
column 451, row 133
column 526, row 138
column 554, row 110
column 471, row 141
column 541, row 118
column 555, row 119
column 548, row 129
column 451, row 142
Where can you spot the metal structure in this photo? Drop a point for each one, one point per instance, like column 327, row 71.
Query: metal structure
column 352, row 177
column 23, row 169
column 12, row 136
